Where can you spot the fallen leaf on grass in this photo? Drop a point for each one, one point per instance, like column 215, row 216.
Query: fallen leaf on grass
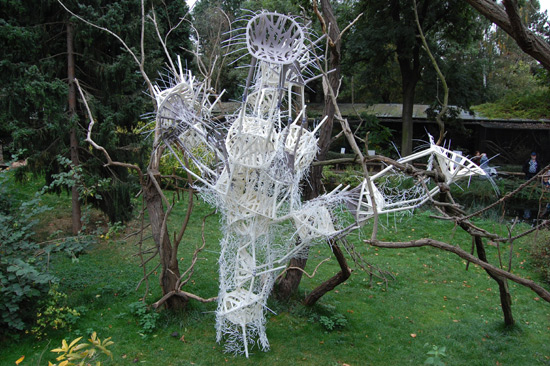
column 413, row 335
column 20, row 360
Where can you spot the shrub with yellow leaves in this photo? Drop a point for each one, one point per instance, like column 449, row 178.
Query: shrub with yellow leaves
column 54, row 314
column 80, row 354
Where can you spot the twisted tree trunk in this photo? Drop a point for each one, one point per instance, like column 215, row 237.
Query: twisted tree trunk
column 288, row 284
column 332, row 282
column 168, row 257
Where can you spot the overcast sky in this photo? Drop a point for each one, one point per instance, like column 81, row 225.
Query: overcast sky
column 544, row 4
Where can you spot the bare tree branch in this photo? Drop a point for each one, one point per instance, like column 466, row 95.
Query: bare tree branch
column 541, row 291
column 191, row 269
column 180, row 293
column 509, row 194
column 508, row 20
column 303, row 271
column 101, row 148
column 349, row 26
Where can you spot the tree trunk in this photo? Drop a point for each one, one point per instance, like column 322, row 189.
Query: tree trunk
column 76, row 212
column 408, row 58
column 407, row 117
column 288, row 284
column 410, row 74
column 334, row 281
column 505, row 298
column 168, row 257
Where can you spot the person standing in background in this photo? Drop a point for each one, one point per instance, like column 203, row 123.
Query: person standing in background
column 530, row 168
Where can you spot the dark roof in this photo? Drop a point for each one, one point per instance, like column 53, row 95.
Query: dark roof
column 392, row 112
column 517, row 125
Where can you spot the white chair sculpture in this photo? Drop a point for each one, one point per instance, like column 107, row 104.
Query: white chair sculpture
column 261, row 160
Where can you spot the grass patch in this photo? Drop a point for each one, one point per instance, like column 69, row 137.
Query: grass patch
column 431, row 301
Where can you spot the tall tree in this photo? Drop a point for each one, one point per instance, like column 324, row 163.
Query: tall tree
column 212, row 24
column 388, row 33
column 34, row 95
column 75, row 199
column 138, row 46
column 34, row 107
column 508, row 18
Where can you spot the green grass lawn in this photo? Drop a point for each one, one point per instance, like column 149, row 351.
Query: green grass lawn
column 433, row 300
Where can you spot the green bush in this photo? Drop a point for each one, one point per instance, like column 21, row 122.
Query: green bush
column 23, row 275
column 111, row 195
column 351, row 176
column 380, row 137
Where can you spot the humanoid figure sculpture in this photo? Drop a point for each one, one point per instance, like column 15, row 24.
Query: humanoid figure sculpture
column 251, row 171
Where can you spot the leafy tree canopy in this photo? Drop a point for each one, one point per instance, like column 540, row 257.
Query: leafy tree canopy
column 33, row 73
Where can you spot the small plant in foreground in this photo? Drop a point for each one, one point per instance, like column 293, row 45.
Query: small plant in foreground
column 435, row 355
column 331, row 320
column 80, row 354
column 147, row 319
